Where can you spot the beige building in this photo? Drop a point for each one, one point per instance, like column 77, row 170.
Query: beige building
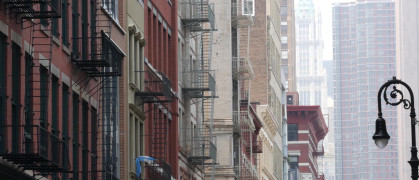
column 134, row 141
column 407, row 64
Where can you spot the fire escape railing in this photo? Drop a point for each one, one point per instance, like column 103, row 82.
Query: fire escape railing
column 240, row 19
column 34, row 9
column 196, row 82
column 157, row 88
column 198, row 15
column 32, row 147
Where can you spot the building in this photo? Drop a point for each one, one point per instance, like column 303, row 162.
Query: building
column 311, row 77
column 288, row 47
column 197, row 90
column 62, row 80
column 134, row 126
column 406, row 65
column 306, row 128
column 267, row 87
column 159, row 95
column 359, row 71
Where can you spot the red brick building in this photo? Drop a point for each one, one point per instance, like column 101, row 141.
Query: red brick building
column 159, row 95
column 59, row 74
column 306, row 128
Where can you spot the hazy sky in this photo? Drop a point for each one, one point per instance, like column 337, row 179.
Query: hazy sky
column 325, row 7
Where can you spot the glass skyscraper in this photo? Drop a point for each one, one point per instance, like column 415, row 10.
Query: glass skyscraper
column 364, row 53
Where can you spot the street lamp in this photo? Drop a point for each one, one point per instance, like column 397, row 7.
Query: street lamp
column 381, row 136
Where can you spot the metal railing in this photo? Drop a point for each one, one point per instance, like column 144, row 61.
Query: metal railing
column 199, row 80
column 242, row 68
column 157, row 88
column 34, row 9
column 32, row 147
column 194, row 13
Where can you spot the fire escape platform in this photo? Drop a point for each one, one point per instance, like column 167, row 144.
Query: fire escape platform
column 25, row 9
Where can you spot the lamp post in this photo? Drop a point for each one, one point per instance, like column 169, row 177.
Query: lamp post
column 381, row 136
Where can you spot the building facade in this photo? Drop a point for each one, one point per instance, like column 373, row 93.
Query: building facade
column 364, row 58
column 288, row 48
column 311, row 77
column 159, row 95
column 64, row 83
column 306, row 128
column 134, row 126
column 406, row 64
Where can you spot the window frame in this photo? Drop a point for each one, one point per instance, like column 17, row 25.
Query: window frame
column 252, row 8
column 292, row 132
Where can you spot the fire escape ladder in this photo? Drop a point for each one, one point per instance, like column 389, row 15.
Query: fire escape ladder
column 29, row 143
column 159, row 169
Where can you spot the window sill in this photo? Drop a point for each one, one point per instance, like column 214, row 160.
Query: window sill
column 66, row 50
column 56, row 41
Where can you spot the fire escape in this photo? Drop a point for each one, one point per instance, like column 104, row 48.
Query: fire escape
column 157, row 93
column 246, row 144
column 100, row 59
column 199, row 84
column 31, row 143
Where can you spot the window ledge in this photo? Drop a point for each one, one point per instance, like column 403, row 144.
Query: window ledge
column 66, row 50
column 56, row 41
column 113, row 21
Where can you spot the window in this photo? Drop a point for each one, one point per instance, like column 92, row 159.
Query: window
column 54, row 105
column 292, row 132
column 75, row 135
column 75, row 27
column 16, row 64
column 2, row 84
column 64, row 106
column 84, row 29
column 136, row 140
column 64, row 23
column 44, row 96
column 85, row 139
column 112, row 7
column 248, row 7
column 94, row 137
column 284, row 54
column 284, row 39
column 293, row 162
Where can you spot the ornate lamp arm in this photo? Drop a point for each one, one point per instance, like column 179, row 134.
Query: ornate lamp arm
column 381, row 132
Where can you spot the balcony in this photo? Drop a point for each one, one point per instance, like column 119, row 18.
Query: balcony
column 32, row 147
column 107, row 62
column 196, row 82
column 158, row 169
column 242, row 68
column 198, row 15
column 34, row 9
column 246, row 170
column 202, row 152
column 157, row 88
column 239, row 17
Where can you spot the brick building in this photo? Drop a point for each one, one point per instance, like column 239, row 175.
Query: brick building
column 306, row 128
column 61, row 62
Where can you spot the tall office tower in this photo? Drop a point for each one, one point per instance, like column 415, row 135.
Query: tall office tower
column 311, row 78
column 407, row 64
column 364, row 58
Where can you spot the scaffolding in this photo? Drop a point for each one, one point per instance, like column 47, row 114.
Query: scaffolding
column 199, row 85
column 31, row 143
